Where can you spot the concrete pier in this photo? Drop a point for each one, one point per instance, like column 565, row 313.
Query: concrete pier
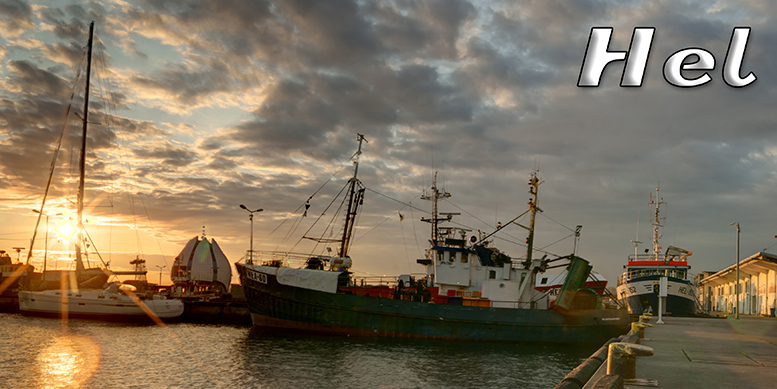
column 711, row 353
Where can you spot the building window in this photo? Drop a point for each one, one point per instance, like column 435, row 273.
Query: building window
column 491, row 274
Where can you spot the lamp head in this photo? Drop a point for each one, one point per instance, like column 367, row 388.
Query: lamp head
column 243, row 206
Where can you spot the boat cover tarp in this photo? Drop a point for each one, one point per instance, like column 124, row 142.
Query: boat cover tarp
column 324, row 281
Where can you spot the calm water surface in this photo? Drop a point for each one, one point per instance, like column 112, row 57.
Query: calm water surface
column 44, row 353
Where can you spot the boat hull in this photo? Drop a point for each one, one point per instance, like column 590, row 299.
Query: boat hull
column 89, row 305
column 640, row 295
column 274, row 305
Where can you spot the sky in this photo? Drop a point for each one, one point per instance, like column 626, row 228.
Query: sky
column 197, row 107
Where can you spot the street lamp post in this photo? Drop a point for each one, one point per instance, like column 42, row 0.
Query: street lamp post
column 250, row 260
column 160, row 273
column 737, row 291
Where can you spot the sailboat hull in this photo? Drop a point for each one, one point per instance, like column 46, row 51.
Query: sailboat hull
column 96, row 304
column 274, row 305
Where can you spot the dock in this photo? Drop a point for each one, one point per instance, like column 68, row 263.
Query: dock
column 711, row 353
column 692, row 352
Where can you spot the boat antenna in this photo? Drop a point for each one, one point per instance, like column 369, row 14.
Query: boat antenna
column 82, row 162
column 577, row 238
column 355, row 198
column 435, row 220
column 656, row 203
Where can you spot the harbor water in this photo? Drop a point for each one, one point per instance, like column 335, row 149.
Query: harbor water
column 50, row 353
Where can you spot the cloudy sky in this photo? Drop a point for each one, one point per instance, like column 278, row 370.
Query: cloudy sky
column 200, row 106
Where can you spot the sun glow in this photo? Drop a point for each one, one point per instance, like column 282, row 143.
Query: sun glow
column 65, row 230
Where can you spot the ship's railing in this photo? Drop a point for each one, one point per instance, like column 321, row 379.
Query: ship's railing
column 636, row 273
column 384, row 281
column 646, row 257
column 287, row 259
column 378, row 282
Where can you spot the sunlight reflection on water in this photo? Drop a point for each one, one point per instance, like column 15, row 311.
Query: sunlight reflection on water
column 67, row 362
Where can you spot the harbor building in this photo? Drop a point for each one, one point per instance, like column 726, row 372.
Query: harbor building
column 757, row 281
column 201, row 269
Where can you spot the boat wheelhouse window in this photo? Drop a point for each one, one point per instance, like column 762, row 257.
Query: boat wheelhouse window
column 449, row 256
column 464, row 257
column 544, row 280
column 492, row 274
column 440, row 256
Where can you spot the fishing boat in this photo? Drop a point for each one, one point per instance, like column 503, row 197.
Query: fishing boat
column 81, row 292
column 639, row 285
column 470, row 290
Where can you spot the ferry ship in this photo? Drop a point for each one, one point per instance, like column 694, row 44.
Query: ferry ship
column 638, row 286
column 470, row 291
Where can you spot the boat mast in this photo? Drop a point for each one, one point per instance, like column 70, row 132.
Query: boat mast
column 82, row 164
column 656, row 204
column 354, row 199
column 534, row 190
column 436, row 195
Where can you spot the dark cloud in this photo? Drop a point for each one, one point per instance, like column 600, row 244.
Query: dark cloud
column 481, row 92
column 15, row 16
column 170, row 156
column 33, row 80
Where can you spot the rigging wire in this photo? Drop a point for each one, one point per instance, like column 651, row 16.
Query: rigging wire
column 53, row 165
column 549, row 218
column 307, row 202
column 319, row 217
column 398, row 201
column 164, row 257
column 415, row 234
column 407, row 254
column 331, row 222
column 463, row 210
column 564, row 238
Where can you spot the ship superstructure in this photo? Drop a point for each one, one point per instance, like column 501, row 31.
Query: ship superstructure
column 638, row 286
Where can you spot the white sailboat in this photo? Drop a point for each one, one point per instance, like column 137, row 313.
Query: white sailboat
column 78, row 297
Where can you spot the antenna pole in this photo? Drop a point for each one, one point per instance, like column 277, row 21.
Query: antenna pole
column 534, row 190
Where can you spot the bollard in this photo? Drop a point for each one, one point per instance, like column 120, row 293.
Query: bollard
column 639, row 329
column 621, row 358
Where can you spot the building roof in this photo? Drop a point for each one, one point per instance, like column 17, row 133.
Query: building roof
column 757, row 263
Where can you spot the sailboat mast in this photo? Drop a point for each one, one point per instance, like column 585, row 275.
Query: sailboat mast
column 350, row 215
column 82, row 163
